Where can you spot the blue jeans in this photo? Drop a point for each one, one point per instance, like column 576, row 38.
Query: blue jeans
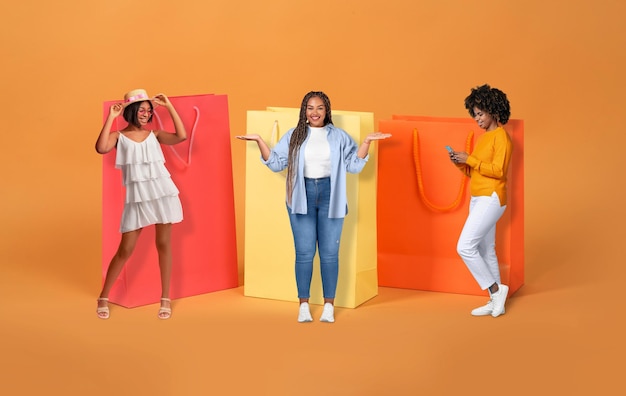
column 312, row 230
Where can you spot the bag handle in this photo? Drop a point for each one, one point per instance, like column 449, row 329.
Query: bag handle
column 274, row 135
column 274, row 140
column 420, row 182
column 192, row 134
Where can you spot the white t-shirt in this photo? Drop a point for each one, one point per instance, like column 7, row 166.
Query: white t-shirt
column 317, row 154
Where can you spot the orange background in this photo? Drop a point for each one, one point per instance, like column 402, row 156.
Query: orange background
column 562, row 65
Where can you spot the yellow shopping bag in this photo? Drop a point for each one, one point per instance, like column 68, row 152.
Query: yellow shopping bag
column 269, row 250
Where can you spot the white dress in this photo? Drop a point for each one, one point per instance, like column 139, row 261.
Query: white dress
column 151, row 195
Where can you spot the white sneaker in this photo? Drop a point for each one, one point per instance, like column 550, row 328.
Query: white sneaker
column 485, row 310
column 304, row 315
column 328, row 314
column 499, row 298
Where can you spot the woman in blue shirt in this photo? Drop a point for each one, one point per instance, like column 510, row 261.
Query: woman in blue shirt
column 317, row 156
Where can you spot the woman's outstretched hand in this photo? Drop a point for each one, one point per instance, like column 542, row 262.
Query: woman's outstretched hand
column 377, row 136
column 251, row 136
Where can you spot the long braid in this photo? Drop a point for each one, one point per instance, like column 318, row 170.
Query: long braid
column 299, row 135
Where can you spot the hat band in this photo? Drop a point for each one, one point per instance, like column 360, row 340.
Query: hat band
column 139, row 96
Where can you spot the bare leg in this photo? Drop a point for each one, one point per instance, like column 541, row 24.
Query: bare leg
column 164, row 248
column 125, row 249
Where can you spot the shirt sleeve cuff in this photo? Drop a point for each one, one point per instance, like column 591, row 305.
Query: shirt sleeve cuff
column 472, row 162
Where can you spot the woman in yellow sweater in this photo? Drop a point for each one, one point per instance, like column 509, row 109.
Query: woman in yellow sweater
column 487, row 168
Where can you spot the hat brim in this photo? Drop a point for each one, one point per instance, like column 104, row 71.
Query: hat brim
column 124, row 104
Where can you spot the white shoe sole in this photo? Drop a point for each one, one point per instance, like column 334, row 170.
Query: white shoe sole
column 486, row 313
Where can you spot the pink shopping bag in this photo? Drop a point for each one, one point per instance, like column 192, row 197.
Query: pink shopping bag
column 204, row 243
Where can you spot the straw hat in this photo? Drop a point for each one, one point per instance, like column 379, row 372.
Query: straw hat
column 136, row 95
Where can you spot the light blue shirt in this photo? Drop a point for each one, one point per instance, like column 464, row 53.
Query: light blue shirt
column 343, row 158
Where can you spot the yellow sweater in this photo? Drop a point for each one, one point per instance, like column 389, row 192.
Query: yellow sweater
column 488, row 164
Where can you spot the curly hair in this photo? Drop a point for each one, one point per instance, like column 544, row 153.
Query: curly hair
column 490, row 100
column 299, row 135
column 130, row 113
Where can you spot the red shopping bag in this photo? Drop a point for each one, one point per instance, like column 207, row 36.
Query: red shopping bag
column 204, row 244
column 423, row 201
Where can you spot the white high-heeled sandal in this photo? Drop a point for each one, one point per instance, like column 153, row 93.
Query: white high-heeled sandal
column 165, row 311
column 103, row 312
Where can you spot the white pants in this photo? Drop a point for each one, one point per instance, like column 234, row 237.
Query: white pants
column 477, row 243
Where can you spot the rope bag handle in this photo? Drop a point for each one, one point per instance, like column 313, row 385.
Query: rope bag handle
column 420, row 181
column 192, row 134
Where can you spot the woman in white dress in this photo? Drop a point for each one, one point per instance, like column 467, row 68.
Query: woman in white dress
column 151, row 195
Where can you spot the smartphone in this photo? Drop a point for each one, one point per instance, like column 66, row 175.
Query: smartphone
column 449, row 149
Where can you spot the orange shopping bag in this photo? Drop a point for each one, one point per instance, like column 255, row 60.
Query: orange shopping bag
column 204, row 248
column 423, row 201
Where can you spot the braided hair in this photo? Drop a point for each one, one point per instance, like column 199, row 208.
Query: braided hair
column 299, row 135
column 490, row 100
